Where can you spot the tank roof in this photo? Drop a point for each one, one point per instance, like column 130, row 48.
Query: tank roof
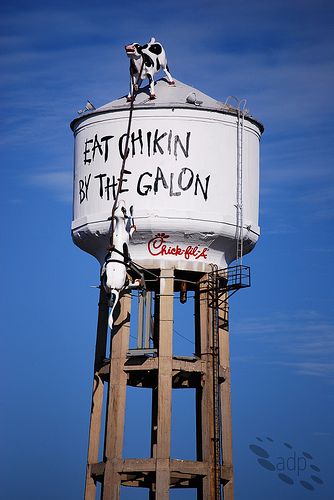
column 179, row 95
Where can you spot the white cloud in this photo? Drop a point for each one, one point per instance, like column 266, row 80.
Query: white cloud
column 58, row 182
column 281, row 228
column 310, row 368
column 303, row 340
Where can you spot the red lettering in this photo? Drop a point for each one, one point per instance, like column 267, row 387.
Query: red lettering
column 157, row 246
column 203, row 254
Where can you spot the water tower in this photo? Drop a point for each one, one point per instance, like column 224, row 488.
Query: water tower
column 188, row 166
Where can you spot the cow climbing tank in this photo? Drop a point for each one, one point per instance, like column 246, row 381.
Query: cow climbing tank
column 191, row 176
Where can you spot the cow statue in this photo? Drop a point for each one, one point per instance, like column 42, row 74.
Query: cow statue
column 145, row 61
column 113, row 271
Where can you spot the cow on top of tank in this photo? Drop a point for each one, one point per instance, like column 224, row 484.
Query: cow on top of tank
column 145, row 61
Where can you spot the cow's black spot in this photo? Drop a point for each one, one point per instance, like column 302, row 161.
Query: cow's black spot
column 147, row 60
column 138, row 47
column 144, row 46
column 125, row 252
column 155, row 48
column 158, row 64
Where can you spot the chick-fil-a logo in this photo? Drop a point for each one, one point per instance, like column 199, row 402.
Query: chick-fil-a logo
column 157, row 247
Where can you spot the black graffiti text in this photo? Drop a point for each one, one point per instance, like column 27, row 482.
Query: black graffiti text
column 109, row 186
column 83, row 188
column 174, row 183
column 98, row 146
column 150, row 143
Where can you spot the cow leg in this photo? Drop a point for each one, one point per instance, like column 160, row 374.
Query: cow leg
column 134, row 81
column 138, row 84
column 167, row 73
column 150, row 79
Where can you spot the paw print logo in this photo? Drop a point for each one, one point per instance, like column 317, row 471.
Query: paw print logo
column 291, row 466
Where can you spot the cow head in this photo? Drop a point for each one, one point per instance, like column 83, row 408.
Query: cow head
column 134, row 50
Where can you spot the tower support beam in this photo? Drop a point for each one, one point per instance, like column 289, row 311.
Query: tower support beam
column 205, row 395
column 165, row 354
column 114, row 432
column 208, row 372
column 225, row 395
column 97, row 396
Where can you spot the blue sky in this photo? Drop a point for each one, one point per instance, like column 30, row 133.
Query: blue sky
column 278, row 55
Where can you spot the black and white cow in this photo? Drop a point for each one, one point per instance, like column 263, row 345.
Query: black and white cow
column 114, row 269
column 148, row 58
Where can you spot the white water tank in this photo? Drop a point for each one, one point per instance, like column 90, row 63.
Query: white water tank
column 181, row 178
